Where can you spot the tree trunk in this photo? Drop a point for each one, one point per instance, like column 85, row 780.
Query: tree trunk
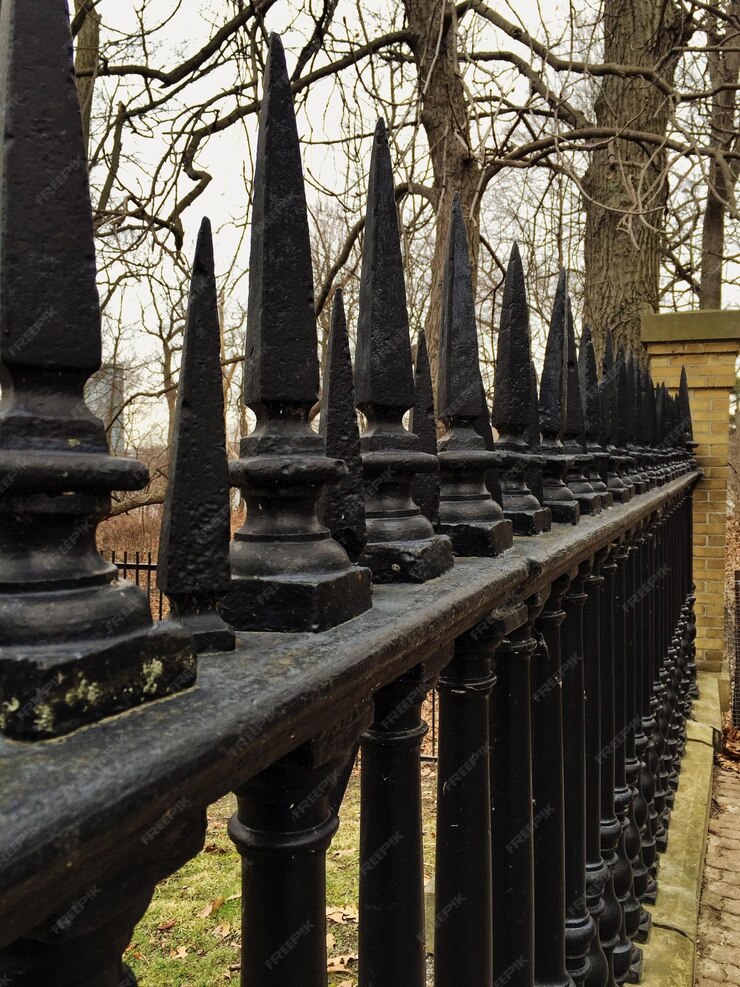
column 724, row 67
column 87, row 59
column 626, row 183
column 445, row 116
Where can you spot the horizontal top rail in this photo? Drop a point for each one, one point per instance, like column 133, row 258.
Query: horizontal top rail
column 70, row 804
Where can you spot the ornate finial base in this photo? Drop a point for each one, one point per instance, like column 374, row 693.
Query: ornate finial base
column 211, row 633
column 520, row 505
column 556, row 495
column 590, row 501
column 308, row 602
column 408, row 561
column 533, row 522
column 48, row 689
column 468, row 515
column 478, row 538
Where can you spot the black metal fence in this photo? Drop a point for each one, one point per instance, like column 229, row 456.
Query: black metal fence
column 140, row 568
column 543, row 587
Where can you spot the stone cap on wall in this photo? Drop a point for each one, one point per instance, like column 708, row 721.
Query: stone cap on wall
column 699, row 325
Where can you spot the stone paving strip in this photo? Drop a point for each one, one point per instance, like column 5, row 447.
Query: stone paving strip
column 671, row 953
column 718, row 953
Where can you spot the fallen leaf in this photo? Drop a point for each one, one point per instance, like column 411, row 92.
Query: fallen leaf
column 222, row 930
column 180, row 953
column 340, row 964
column 212, row 908
column 330, row 942
column 342, row 916
column 347, row 983
column 233, row 897
column 166, row 926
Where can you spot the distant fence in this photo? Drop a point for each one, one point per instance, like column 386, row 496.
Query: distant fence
column 141, row 568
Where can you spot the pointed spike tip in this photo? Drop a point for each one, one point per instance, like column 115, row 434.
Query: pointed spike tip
column 575, row 411
column 588, row 381
column 195, row 532
column 425, row 486
column 459, row 387
column 511, row 393
column 554, row 380
column 47, row 251
column 281, row 359
column 341, row 505
column 383, row 368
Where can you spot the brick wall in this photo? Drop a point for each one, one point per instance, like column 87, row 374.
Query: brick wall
column 710, row 358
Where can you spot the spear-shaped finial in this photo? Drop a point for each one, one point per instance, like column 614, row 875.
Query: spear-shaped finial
column 637, row 449
column 651, row 420
column 684, row 403
column 280, row 358
column 425, row 486
column 615, row 482
column 468, row 514
column 193, row 567
column 77, row 644
column 576, row 479
column 533, row 475
column 592, row 420
column 484, row 428
column 342, row 506
column 288, row 573
column 662, row 430
column 383, row 356
column 621, row 420
column 638, row 481
column 512, row 406
column 401, row 544
column 554, row 412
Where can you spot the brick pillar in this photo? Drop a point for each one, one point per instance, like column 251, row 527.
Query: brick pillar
column 707, row 344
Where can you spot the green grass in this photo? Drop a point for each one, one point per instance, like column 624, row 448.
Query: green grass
column 178, row 945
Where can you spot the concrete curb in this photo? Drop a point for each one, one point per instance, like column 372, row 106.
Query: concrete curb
column 670, row 955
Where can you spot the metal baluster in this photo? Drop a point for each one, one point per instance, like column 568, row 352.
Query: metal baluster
column 600, row 898
column 392, row 937
column 632, row 837
column 644, row 809
column 627, row 962
column 613, row 933
column 511, row 798
column 282, row 829
column 547, row 793
column 463, row 951
column 580, row 929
